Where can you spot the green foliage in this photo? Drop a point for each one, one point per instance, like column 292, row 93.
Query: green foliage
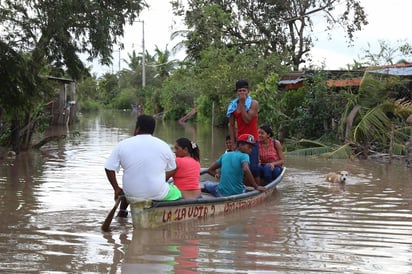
column 339, row 152
column 5, row 134
column 164, row 66
column 108, row 88
column 372, row 90
column 310, row 110
column 87, row 89
column 308, row 148
column 292, row 104
column 205, row 110
column 266, row 26
column 219, row 69
column 316, row 114
column 269, row 98
column 178, row 95
column 371, row 126
column 92, row 28
column 90, row 105
column 17, row 91
column 152, row 100
column 124, row 99
column 374, row 125
column 37, row 41
column 305, row 147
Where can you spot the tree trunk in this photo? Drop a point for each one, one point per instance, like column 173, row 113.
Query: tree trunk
column 409, row 144
column 15, row 135
column 349, row 122
column 391, row 143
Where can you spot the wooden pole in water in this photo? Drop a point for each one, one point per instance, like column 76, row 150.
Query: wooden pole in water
column 409, row 144
column 213, row 113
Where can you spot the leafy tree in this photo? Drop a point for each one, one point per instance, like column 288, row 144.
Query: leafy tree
column 387, row 53
column 87, row 89
column 87, row 95
column 270, row 26
column 49, row 36
column 269, row 98
column 124, row 99
column 108, row 88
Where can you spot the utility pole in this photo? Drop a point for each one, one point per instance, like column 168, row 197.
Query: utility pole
column 119, row 50
column 143, row 56
column 143, row 59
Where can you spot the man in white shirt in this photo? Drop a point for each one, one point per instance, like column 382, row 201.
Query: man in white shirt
column 145, row 159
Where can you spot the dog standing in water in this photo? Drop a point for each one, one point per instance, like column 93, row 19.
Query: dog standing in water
column 337, row 178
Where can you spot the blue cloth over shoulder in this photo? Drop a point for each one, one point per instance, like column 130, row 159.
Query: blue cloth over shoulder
column 233, row 105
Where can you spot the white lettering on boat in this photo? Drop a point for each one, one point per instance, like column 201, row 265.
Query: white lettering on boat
column 182, row 213
column 233, row 206
column 191, row 212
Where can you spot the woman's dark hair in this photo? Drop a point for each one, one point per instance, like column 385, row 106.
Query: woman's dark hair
column 192, row 147
column 146, row 124
column 267, row 129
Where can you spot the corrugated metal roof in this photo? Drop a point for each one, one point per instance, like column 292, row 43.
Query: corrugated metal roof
column 291, row 81
column 399, row 71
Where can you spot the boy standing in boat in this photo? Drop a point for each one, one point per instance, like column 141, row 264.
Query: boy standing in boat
column 145, row 159
column 243, row 119
column 234, row 167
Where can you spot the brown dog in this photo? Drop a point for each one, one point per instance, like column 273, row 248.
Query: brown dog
column 337, row 177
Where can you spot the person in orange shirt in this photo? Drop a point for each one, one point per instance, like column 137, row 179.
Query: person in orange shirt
column 186, row 176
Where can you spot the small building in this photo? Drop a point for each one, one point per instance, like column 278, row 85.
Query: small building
column 348, row 78
column 335, row 78
column 63, row 108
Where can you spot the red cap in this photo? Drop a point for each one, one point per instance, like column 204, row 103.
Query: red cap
column 246, row 138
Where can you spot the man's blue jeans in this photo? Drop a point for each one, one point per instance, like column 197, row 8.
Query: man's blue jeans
column 254, row 160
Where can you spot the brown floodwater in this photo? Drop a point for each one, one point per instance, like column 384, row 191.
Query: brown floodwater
column 54, row 200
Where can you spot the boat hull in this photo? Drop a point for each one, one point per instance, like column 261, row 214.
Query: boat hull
column 149, row 214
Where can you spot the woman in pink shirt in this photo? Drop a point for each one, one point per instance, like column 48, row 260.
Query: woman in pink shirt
column 271, row 157
column 186, row 176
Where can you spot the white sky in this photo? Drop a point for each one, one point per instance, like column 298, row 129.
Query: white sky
column 388, row 21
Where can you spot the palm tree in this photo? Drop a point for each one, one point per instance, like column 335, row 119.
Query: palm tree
column 134, row 61
column 163, row 64
column 374, row 121
column 379, row 117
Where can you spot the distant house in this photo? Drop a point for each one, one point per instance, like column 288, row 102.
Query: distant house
column 347, row 78
column 404, row 69
column 335, row 78
column 63, row 108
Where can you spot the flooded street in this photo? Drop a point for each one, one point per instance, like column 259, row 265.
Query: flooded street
column 54, row 200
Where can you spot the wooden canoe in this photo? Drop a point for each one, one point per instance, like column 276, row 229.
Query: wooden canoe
column 150, row 213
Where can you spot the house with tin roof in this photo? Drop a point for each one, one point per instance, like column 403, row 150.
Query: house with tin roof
column 347, row 78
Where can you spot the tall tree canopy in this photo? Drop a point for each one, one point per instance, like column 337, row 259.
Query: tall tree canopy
column 41, row 38
column 56, row 31
column 282, row 26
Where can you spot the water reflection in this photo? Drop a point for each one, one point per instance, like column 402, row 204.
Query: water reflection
column 161, row 250
column 54, row 200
